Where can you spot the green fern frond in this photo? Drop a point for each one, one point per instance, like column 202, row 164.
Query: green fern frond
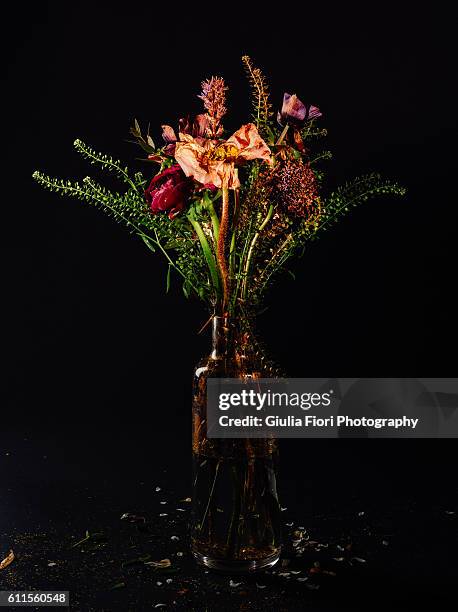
column 262, row 109
column 338, row 204
column 156, row 231
column 115, row 205
column 310, row 132
column 105, row 161
column 350, row 195
column 320, row 156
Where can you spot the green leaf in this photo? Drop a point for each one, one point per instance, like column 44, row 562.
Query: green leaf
column 146, row 147
column 148, row 242
column 168, row 278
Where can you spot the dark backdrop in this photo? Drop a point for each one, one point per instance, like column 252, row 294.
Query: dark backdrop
column 99, row 359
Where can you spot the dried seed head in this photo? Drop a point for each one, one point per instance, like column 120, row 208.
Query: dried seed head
column 296, row 189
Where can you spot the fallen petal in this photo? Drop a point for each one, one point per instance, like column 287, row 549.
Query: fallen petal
column 7, row 560
column 161, row 564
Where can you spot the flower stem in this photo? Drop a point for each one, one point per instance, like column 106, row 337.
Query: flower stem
column 234, row 227
column 214, row 218
column 157, row 242
column 232, row 540
column 283, row 134
column 210, row 496
column 223, row 229
column 206, row 250
column 252, row 245
column 273, row 261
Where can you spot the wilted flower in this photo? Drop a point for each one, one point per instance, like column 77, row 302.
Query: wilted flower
column 295, row 112
column 296, row 189
column 196, row 127
column 168, row 134
column 169, row 191
column 210, row 161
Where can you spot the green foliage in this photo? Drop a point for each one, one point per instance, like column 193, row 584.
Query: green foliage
column 146, row 142
column 105, row 162
column 129, row 208
column 350, row 195
column 336, row 206
column 311, row 132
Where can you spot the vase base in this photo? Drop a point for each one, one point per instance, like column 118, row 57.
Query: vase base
column 237, row 567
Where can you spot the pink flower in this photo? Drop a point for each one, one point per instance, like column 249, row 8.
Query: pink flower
column 169, row 191
column 295, row 112
column 213, row 161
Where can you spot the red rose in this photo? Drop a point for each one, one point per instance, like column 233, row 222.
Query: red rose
column 169, row 191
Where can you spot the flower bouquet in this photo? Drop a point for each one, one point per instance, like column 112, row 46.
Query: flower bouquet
column 228, row 210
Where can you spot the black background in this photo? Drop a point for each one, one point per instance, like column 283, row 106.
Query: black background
column 99, row 358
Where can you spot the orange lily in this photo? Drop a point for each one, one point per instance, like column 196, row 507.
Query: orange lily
column 213, row 161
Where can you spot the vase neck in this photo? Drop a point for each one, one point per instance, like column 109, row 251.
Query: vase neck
column 223, row 333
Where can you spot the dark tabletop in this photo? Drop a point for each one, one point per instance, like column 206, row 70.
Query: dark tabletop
column 367, row 543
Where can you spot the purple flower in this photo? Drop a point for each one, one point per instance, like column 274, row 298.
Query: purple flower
column 169, row 191
column 168, row 134
column 295, row 112
column 195, row 128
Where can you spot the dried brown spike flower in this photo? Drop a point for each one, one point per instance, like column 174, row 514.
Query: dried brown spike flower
column 214, row 98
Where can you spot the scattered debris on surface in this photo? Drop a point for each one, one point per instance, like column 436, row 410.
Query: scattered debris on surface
column 118, row 585
column 143, row 564
column 7, row 560
column 95, row 539
column 312, row 586
column 133, row 518
column 160, row 564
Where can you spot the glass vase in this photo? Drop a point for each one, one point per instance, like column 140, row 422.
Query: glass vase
column 235, row 509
